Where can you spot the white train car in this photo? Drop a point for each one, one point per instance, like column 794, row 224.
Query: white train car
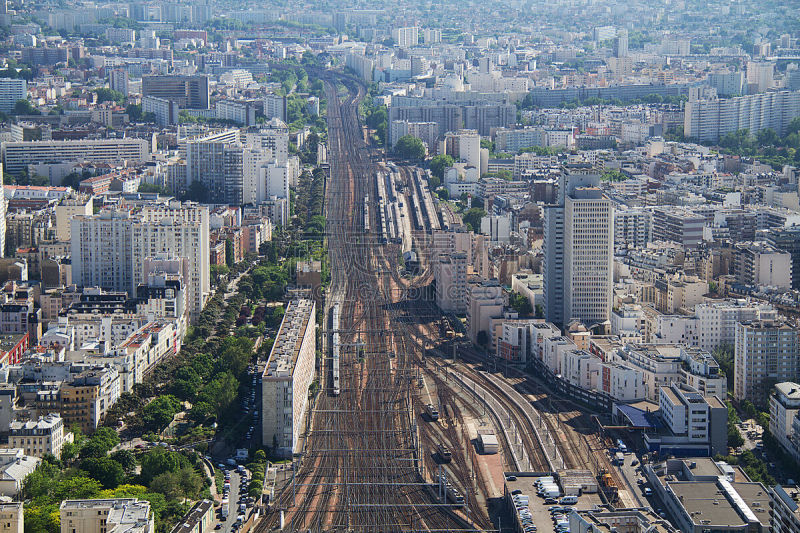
column 335, row 349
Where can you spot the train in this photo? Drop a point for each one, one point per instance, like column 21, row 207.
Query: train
column 335, row 348
column 366, row 214
column 453, row 495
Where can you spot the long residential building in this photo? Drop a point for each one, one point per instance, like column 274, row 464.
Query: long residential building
column 712, row 119
column 18, row 155
column 287, row 377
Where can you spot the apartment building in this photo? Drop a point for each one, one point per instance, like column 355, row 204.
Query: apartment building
column 785, row 507
column 166, row 111
column 12, row 519
column 450, row 273
column 767, row 352
column 100, row 250
column 287, row 377
column 759, row 263
column 87, row 397
column 696, row 422
column 578, row 250
column 632, row 228
column 190, row 92
column 678, row 225
column 406, row 37
column 711, row 119
column 485, row 300
column 275, row 107
column 39, row 437
column 18, row 155
column 463, row 145
column 787, row 239
column 11, row 91
column 715, row 323
column 106, row 516
column 784, row 403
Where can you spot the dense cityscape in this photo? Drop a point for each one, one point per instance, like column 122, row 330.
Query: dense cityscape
column 527, row 267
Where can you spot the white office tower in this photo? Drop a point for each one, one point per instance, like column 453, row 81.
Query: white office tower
column 275, row 177
column 760, row 76
column 579, row 247
column 11, row 91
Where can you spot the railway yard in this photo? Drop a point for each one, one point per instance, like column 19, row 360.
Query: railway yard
column 398, row 438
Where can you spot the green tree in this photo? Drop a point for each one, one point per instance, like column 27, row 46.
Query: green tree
column 158, row 460
column 152, row 187
column 520, row 304
column 104, row 94
column 221, row 393
column 126, row 459
column 439, row 163
column 24, row 107
column 472, row 218
column 409, row 147
column 157, row 414
column 107, row 471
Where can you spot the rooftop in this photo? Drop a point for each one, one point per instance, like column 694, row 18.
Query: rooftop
column 284, row 352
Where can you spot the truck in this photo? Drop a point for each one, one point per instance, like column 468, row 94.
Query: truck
column 224, row 508
column 621, row 446
column 619, row 458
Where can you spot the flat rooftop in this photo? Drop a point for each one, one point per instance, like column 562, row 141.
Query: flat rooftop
column 283, row 357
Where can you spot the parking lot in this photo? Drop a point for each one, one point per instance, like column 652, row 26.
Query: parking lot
column 539, row 514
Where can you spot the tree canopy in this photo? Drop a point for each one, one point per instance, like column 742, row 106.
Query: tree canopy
column 409, row 147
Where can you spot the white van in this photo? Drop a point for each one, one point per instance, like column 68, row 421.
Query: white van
column 568, row 500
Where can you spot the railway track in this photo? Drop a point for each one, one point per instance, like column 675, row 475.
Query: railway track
column 359, row 470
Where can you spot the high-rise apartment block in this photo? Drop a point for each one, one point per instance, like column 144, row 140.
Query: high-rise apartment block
column 18, row 155
column 275, row 107
column 11, row 91
column 578, row 249
column 678, row 225
column 767, row 352
column 110, row 249
column 406, row 37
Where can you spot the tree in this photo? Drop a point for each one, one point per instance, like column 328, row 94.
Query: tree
column 126, row 459
column 152, row 187
column 197, row 193
column 409, row 147
column 230, row 258
column 439, row 163
column 520, row 304
column 104, row 94
column 483, row 338
column 472, row 218
column 159, row 413
column 24, row 107
column 221, row 393
column 158, row 460
column 107, row 471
